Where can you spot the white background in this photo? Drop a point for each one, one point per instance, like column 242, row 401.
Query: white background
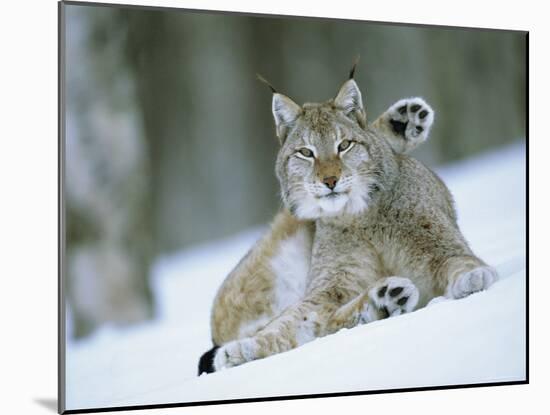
column 28, row 220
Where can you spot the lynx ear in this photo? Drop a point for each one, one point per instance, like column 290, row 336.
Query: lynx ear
column 285, row 112
column 350, row 102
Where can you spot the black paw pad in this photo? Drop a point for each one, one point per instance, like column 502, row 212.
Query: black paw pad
column 402, row 301
column 402, row 110
column 399, row 127
column 419, row 129
column 415, row 108
column 382, row 291
column 423, row 114
column 396, row 291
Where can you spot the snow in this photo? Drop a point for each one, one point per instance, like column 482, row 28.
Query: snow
column 478, row 339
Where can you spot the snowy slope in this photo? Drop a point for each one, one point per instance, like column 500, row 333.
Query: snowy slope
column 477, row 339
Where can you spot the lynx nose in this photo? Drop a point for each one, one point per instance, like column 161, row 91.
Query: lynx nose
column 330, row 182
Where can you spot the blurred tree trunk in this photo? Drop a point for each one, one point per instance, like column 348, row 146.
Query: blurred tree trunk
column 107, row 180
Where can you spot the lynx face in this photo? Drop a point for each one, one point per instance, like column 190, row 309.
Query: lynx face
column 328, row 163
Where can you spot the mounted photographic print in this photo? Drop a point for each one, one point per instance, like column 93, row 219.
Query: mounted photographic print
column 260, row 207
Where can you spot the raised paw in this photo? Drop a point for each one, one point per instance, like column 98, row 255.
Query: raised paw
column 393, row 296
column 235, row 353
column 410, row 120
column 472, row 281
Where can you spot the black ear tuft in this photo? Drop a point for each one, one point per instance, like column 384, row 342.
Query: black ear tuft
column 206, row 362
column 265, row 81
column 354, row 67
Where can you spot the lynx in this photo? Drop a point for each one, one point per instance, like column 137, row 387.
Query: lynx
column 367, row 232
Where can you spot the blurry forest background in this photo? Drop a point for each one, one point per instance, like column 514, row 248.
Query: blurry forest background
column 170, row 140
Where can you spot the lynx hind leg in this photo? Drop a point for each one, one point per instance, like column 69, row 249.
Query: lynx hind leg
column 407, row 123
column 469, row 282
column 392, row 296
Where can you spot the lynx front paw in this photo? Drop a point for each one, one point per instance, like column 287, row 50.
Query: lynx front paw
column 393, row 296
column 235, row 353
column 472, row 281
column 411, row 120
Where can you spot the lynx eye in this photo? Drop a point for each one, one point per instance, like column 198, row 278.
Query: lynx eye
column 306, row 152
column 344, row 145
